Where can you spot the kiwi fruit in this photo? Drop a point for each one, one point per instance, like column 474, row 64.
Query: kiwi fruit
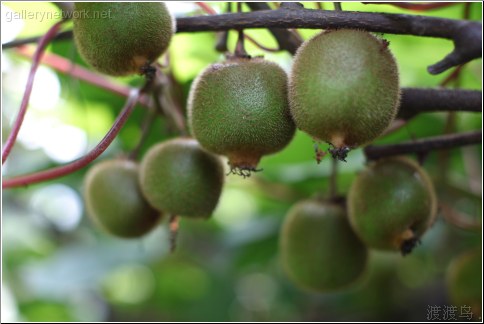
column 114, row 200
column 239, row 109
column 344, row 88
column 391, row 204
column 122, row 38
column 464, row 281
column 319, row 250
column 180, row 178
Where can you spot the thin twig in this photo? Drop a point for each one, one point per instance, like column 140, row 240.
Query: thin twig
column 65, row 35
column 43, row 42
column 167, row 106
column 287, row 39
column 453, row 76
column 69, row 168
column 76, row 71
column 146, row 126
column 205, row 7
column 221, row 44
column 424, row 145
column 415, row 6
column 458, row 219
column 333, row 180
column 174, row 227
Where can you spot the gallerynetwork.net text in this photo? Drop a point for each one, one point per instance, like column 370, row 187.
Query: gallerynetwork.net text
column 44, row 15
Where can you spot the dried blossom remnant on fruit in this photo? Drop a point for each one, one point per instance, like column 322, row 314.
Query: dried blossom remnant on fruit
column 320, row 154
column 339, row 153
column 408, row 245
column 243, row 171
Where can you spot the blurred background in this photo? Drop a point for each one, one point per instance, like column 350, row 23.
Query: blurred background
column 58, row 267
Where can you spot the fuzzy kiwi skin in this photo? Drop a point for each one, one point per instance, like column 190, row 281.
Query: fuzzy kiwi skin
column 180, row 178
column 464, row 281
column 239, row 109
column 114, row 200
column 133, row 34
column 391, row 204
column 344, row 87
column 319, row 250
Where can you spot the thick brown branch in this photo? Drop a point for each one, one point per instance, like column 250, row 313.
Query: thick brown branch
column 418, row 100
column 322, row 19
column 467, row 35
column 424, row 145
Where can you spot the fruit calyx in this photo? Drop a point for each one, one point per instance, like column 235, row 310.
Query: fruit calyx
column 148, row 70
column 243, row 164
column 409, row 241
column 339, row 152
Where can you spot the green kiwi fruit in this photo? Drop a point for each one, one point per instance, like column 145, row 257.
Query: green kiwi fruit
column 391, row 204
column 114, row 200
column 344, row 88
column 318, row 248
column 464, row 281
column 122, row 38
column 180, row 178
column 239, row 109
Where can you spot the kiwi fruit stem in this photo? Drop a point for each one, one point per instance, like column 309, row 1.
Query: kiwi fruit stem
column 174, row 227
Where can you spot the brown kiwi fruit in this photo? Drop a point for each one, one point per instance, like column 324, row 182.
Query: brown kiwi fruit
column 180, row 178
column 114, row 200
column 239, row 109
column 318, row 248
column 464, row 281
column 122, row 38
column 391, row 204
column 344, row 88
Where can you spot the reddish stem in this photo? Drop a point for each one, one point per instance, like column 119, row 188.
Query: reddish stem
column 43, row 42
column 259, row 45
column 205, row 7
column 65, row 66
column 209, row 10
column 63, row 170
column 453, row 76
column 416, row 6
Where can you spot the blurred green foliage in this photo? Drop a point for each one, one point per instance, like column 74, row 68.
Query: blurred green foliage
column 58, row 267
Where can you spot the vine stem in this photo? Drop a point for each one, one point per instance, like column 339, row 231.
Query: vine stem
column 146, row 127
column 415, row 6
column 205, row 7
column 209, row 10
column 174, row 227
column 43, row 42
column 69, row 68
column 63, row 170
column 333, row 180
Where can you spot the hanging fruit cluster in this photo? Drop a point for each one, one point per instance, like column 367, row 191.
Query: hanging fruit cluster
column 343, row 89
